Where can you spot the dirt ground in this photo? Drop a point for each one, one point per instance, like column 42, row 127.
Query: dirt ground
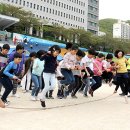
column 102, row 112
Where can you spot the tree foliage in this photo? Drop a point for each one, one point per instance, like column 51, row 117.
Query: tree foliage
column 106, row 25
column 60, row 34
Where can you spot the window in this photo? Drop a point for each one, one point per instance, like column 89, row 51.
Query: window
column 61, row 14
column 59, row 4
column 30, row 5
column 64, row 5
column 44, row 9
column 34, row 6
column 74, row 17
column 41, row 8
column 23, row 3
column 16, row 1
column 12, row 1
column 27, row 4
column 50, row 11
column 66, row 15
column 56, row 12
column 53, row 2
column 72, row 8
column 47, row 10
column 81, row 11
column 53, row 11
column 56, row 3
column 20, row 2
column 37, row 7
column 69, row 16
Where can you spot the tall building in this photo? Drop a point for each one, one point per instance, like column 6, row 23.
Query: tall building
column 121, row 30
column 93, row 16
column 69, row 13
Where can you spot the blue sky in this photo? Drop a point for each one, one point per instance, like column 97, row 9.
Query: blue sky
column 119, row 9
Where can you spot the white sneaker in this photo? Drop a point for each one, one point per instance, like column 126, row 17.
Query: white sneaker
column 37, row 98
column 15, row 95
column 7, row 103
column 33, row 98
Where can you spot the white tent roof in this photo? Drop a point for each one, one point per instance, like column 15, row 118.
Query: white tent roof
column 6, row 21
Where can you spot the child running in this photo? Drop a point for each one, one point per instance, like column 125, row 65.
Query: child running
column 49, row 72
column 37, row 69
column 3, row 59
column 7, row 75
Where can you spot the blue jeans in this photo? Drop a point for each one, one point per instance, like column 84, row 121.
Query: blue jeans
column 37, row 84
column 69, row 77
column 87, row 84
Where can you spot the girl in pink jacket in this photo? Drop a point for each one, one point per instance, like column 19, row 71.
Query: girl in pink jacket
column 98, row 69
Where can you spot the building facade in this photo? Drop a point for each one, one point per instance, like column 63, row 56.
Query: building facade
column 121, row 30
column 69, row 13
column 93, row 16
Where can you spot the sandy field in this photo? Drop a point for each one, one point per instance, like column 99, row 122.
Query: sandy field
column 102, row 112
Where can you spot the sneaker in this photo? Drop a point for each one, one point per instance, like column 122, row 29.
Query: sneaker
column 37, row 98
column 51, row 97
column 122, row 94
column 110, row 84
column 2, row 104
column 73, row 96
column 26, row 91
column 7, row 103
column 115, row 91
column 33, row 98
column 59, row 97
column 15, row 95
column 91, row 92
column 43, row 103
column 85, row 95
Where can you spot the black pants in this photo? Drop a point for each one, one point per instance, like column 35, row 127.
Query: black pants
column 107, row 76
column 98, row 84
column 15, row 84
column 7, row 83
column 77, row 85
column 122, row 79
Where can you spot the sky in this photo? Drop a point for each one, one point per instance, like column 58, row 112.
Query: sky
column 118, row 9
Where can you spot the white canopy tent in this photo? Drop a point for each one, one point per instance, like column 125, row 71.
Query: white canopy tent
column 6, row 21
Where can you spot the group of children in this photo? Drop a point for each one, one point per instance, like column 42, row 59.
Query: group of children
column 76, row 72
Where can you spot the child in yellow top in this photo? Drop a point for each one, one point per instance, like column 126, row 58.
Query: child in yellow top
column 122, row 74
